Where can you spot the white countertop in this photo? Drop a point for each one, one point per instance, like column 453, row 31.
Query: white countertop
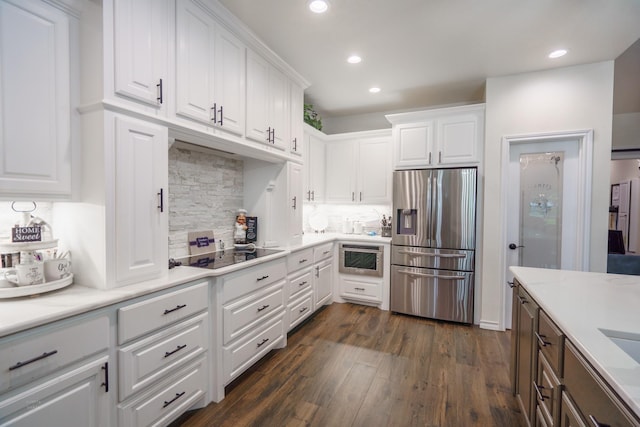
column 19, row 314
column 582, row 303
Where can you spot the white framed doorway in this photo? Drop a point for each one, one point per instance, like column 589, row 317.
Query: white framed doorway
column 575, row 148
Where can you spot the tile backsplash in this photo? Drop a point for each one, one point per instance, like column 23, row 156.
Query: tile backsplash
column 205, row 191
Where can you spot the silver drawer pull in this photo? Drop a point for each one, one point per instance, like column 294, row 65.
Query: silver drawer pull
column 302, row 260
column 261, row 343
column 541, row 340
column 178, row 307
column 302, row 283
column 178, row 348
column 359, row 289
column 303, row 309
column 35, row 359
column 178, row 396
column 433, row 255
column 262, row 278
column 434, row 276
column 263, row 307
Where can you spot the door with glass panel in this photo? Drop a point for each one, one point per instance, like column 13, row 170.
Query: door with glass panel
column 542, row 198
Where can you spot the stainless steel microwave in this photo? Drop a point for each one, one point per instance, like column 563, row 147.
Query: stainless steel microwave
column 361, row 259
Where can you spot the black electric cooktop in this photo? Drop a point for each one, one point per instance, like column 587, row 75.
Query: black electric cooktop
column 226, row 258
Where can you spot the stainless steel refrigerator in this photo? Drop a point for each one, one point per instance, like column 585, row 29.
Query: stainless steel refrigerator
column 433, row 243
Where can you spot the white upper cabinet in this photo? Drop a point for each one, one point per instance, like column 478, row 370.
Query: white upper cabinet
column 359, row 170
column 314, row 167
column 296, row 137
column 440, row 137
column 340, row 177
column 374, row 170
column 38, row 62
column 209, row 70
column 267, row 103
column 141, row 50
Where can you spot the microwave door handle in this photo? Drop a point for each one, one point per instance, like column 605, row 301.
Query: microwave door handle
column 432, row 276
column 433, row 255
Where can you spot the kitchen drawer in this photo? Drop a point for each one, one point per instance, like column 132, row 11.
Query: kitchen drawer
column 146, row 316
column 39, row 352
column 300, row 309
column 299, row 259
column 370, row 291
column 322, row 252
column 241, row 316
column 591, row 395
column 240, row 356
column 153, row 358
column 550, row 342
column 547, row 390
column 252, row 279
column 298, row 284
column 168, row 400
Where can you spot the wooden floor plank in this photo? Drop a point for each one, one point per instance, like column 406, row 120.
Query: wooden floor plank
column 352, row 365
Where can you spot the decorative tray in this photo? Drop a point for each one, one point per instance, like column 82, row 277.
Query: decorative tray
column 8, row 290
column 11, row 247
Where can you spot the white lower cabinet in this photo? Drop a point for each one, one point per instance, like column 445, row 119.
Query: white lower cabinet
column 361, row 289
column 323, row 274
column 300, row 287
column 167, row 400
column 76, row 398
column 252, row 312
column 57, row 374
column 163, row 359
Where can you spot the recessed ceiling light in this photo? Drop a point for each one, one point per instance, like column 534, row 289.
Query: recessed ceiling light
column 374, row 89
column 318, row 6
column 354, row 59
column 558, row 53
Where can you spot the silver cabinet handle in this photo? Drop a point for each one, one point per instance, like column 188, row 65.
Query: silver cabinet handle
column 439, row 156
column 429, row 158
column 261, row 343
column 541, row 340
column 433, row 255
column 541, row 396
column 434, row 276
column 596, row 423
column 263, row 307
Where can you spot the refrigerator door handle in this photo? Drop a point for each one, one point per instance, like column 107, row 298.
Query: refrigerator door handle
column 431, row 255
column 433, row 276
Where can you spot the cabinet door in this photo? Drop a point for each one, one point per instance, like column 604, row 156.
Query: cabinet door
column 35, row 101
column 295, row 202
column 323, row 283
column 458, row 139
column 141, row 194
column 229, row 91
column 141, row 42
column 414, row 145
column 314, row 166
column 258, row 128
column 195, row 33
column 75, row 398
column 374, row 171
column 340, row 176
column 527, row 351
column 278, row 108
column 297, row 118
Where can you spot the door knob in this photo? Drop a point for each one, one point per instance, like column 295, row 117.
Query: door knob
column 513, row 246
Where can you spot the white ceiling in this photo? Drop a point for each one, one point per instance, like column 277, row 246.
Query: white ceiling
column 432, row 52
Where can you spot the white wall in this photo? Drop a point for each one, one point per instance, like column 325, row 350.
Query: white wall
column 572, row 98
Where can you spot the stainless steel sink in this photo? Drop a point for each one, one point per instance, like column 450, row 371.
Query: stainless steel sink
column 629, row 342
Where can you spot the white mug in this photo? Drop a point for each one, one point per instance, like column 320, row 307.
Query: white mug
column 26, row 274
column 56, row 269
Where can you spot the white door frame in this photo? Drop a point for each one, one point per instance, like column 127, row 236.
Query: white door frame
column 583, row 215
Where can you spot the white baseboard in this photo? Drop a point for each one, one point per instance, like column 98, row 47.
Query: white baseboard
column 491, row 325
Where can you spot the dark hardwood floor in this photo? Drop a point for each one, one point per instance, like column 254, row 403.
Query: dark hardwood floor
column 352, row 365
